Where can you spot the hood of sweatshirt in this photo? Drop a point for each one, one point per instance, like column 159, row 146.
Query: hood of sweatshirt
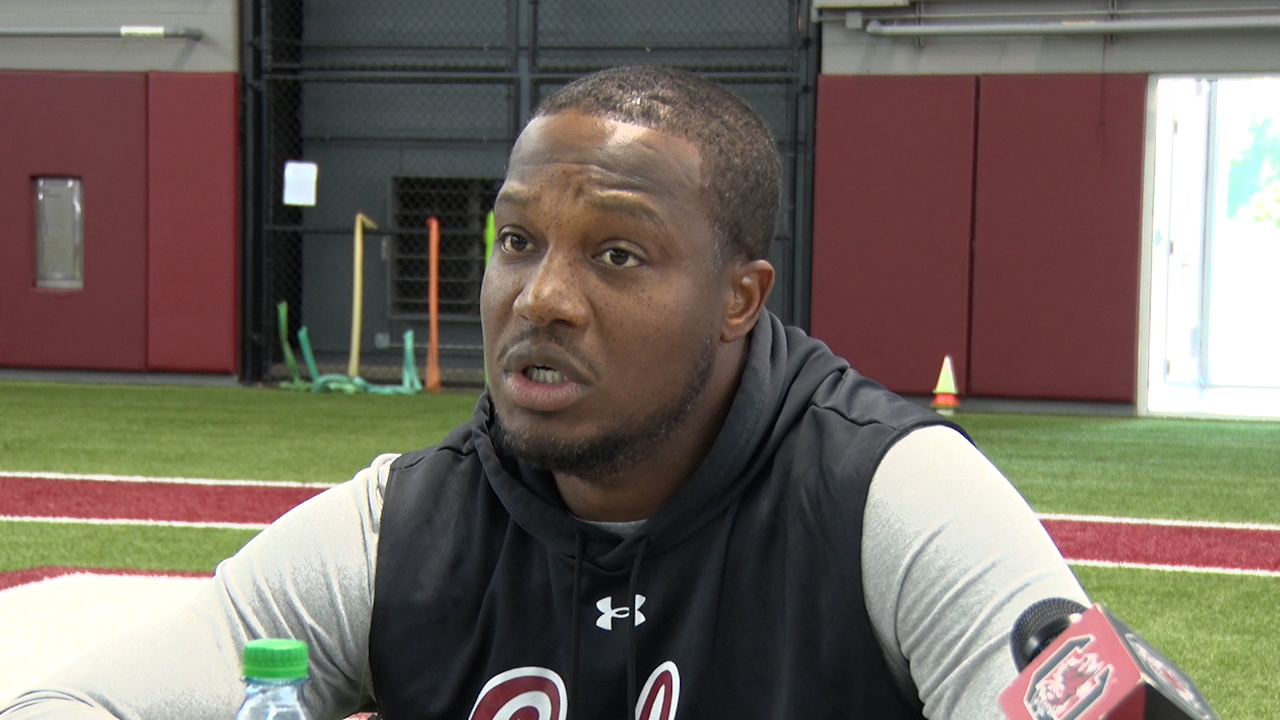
column 784, row 368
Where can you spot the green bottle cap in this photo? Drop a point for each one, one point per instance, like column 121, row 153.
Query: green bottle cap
column 275, row 659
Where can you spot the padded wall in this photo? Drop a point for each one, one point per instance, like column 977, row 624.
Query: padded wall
column 1057, row 237
column 194, row 222
column 91, row 126
column 892, row 222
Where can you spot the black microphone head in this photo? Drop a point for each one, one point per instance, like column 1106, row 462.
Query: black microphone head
column 1038, row 625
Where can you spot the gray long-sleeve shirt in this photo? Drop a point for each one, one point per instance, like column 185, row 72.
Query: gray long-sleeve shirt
column 951, row 554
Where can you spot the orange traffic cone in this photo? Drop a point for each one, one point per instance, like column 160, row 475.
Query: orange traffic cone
column 945, row 396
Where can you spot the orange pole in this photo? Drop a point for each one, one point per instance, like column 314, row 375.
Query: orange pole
column 433, row 304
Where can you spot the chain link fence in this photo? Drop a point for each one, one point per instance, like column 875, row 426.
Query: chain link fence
column 409, row 109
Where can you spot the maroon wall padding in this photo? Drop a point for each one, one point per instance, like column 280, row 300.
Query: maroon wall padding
column 91, row 126
column 1057, row 240
column 193, row 275
column 891, row 224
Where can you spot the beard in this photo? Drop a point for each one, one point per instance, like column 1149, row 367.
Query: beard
column 606, row 454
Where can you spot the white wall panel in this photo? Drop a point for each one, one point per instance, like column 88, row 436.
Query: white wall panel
column 219, row 51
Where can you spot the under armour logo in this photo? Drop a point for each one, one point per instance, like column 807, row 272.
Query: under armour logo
column 608, row 612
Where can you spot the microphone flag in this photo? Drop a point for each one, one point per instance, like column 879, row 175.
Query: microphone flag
column 1097, row 669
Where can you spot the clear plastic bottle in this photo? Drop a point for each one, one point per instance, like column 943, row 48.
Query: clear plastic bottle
column 274, row 671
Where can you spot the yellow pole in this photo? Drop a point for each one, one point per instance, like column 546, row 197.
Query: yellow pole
column 433, row 304
column 357, row 291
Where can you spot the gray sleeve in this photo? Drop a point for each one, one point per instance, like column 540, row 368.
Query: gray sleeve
column 951, row 555
column 308, row 576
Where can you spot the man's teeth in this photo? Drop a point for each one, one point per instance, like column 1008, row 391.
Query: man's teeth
column 541, row 374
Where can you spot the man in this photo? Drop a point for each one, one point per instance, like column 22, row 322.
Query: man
column 667, row 505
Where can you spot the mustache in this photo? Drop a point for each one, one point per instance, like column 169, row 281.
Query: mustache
column 546, row 335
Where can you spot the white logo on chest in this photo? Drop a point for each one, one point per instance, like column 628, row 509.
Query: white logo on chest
column 608, row 612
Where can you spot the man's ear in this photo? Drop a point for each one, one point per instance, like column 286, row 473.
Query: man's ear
column 750, row 282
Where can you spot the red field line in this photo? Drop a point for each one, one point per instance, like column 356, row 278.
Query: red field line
column 1224, row 548
column 149, row 501
column 1169, row 544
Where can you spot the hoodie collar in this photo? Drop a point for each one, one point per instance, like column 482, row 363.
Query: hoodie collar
column 783, row 368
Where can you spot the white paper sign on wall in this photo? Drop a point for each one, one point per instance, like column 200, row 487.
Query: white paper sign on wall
column 300, row 183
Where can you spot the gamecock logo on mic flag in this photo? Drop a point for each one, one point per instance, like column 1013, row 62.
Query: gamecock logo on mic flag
column 527, row 693
column 661, row 694
column 1068, row 683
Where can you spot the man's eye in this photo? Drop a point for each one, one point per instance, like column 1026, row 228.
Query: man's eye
column 619, row 258
column 510, row 242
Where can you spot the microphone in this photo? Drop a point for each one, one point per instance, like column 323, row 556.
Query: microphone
column 1039, row 625
column 1080, row 663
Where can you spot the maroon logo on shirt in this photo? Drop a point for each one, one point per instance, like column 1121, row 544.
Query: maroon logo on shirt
column 535, row 693
column 661, row 694
column 1068, row 683
column 527, row 693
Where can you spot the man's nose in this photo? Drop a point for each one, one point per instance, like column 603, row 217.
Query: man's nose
column 553, row 292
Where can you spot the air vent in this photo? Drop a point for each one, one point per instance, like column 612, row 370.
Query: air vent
column 461, row 204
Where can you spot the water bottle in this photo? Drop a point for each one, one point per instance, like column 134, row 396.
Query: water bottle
column 274, row 671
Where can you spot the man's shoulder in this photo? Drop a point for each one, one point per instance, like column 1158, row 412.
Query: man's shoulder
column 846, row 428
column 826, row 384
column 459, row 443
column 863, row 402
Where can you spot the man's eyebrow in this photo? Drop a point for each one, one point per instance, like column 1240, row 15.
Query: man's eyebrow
column 513, row 195
column 626, row 204
column 609, row 201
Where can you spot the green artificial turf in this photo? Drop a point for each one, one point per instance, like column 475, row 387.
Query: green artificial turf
column 1216, row 626
column 234, row 432
column 131, row 547
column 1220, row 629
column 1142, row 467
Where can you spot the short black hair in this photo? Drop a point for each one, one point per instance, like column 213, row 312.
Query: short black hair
column 741, row 169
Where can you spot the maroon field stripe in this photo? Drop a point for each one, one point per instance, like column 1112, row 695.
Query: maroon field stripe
column 1203, row 547
column 14, row 578
column 163, row 502
column 1081, row 540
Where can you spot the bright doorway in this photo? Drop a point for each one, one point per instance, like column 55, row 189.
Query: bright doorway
column 1213, row 340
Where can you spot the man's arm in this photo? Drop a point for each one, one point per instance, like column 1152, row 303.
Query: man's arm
column 308, row 576
column 951, row 554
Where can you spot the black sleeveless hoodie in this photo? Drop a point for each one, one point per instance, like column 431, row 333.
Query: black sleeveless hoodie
column 741, row 597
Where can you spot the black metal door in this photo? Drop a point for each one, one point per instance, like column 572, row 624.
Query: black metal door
column 409, row 108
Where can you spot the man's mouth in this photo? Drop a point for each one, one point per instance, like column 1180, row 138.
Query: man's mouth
column 542, row 388
column 544, row 374
column 541, row 377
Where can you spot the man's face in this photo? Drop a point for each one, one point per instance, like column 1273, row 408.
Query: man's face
column 603, row 303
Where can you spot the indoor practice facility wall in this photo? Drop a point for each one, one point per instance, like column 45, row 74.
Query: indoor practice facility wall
column 193, row 280
column 90, row 126
column 157, row 155
column 993, row 218
column 892, row 211
column 1057, row 237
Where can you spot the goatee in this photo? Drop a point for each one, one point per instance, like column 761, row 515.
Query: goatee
column 614, row 448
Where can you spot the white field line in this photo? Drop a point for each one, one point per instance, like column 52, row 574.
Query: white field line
column 172, row 480
column 1156, row 522
column 1174, row 568
column 121, row 521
